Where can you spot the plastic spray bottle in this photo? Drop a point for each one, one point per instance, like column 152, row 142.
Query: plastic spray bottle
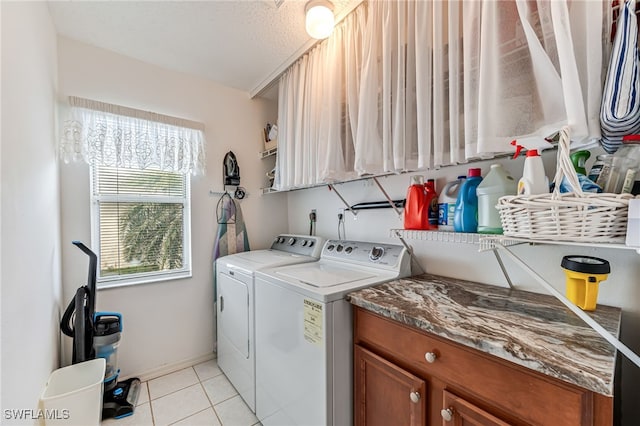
column 579, row 158
column 534, row 180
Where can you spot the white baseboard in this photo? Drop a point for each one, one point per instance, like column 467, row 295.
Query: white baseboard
column 170, row 368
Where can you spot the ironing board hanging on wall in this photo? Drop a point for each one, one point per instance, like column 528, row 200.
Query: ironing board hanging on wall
column 231, row 236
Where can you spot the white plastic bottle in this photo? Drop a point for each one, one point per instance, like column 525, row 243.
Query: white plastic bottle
column 447, row 203
column 496, row 184
column 534, row 180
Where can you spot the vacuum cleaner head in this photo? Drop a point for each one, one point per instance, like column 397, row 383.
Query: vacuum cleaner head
column 121, row 401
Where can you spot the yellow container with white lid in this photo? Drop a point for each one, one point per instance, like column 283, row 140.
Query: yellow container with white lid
column 584, row 274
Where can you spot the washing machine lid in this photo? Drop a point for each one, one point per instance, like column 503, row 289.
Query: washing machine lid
column 324, row 274
column 265, row 257
column 251, row 261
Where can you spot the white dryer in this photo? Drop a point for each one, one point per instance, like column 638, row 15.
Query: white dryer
column 235, row 304
column 304, row 332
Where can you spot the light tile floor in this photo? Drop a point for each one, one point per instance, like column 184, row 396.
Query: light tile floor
column 196, row 396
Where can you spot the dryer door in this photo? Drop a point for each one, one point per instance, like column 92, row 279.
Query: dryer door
column 235, row 332
column 233, row 311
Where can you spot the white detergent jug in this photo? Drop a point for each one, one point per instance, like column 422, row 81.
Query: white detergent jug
column 496, row 184
column 447, row 204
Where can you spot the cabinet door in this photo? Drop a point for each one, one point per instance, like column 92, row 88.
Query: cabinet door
column 385, row 394
column 458, row 412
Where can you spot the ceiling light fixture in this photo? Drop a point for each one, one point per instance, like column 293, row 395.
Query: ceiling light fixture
column 320, row 20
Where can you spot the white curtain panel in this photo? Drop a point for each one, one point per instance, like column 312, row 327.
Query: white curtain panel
column 318, row 110
column 530, row 68
column 412, row 106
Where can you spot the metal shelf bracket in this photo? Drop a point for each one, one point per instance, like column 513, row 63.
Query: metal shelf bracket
column 632, row 356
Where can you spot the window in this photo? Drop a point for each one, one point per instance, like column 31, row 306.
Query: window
column 141, row 222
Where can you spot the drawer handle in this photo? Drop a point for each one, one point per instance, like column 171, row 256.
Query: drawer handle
column 447, row 414
column 430, row 357
column 415, row 397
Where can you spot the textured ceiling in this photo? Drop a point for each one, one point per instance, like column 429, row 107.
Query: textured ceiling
column 238, row 43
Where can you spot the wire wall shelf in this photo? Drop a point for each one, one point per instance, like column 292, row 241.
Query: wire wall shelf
column 269, row 152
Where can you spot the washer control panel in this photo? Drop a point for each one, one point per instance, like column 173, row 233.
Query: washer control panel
column 305, row 245
column 363, row 252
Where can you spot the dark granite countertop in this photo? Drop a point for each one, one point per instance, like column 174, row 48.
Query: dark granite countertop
column 533, row 330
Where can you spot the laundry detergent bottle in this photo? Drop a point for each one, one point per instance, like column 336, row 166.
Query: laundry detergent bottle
column 497, row 183
column 432, row 204
column 447, row 203
column 416, row 215
column 465, row 217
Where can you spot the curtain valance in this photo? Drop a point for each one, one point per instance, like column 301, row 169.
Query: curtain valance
column 112, row 135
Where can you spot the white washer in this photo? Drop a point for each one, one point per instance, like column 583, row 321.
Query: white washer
column 304, row 336
column 235, row 307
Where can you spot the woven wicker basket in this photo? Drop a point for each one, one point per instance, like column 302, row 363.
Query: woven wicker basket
column 574, row 216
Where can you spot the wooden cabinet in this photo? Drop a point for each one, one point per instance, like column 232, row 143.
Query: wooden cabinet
column 387, row 394
column 392, row 360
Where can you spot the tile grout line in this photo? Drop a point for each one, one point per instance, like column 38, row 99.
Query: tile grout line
column 213, row 408
column 199, row 381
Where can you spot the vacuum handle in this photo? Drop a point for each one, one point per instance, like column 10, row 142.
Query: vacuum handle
column 85, row 249
column 91, row 278
column 80, row 352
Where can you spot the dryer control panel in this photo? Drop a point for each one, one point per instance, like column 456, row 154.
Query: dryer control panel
column 304, row 245
column 391, row 256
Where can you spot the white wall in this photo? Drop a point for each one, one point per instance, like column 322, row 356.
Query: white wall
column 170, row 322
column 465, row 262
column 31, row 290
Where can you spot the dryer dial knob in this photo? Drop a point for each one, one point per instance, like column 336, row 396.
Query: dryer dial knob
column 376, row 253
column 348, row 250
column 304, row 243
column 292, row 241
column 310, row 243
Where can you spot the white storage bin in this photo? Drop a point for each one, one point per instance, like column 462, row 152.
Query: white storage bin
column 73, row 395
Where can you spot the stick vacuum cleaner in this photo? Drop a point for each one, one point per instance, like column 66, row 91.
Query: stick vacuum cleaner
column 97, row 334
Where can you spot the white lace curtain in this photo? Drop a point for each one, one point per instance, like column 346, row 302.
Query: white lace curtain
column 111, row 135
column 433, row 83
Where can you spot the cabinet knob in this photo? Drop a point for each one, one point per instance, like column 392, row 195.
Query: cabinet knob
column 447, row 414
column 430, row 357
column 415, row 397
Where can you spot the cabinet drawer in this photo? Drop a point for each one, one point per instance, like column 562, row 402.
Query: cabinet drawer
column 490, row 381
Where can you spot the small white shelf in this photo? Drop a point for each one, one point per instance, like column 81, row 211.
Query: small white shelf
column 269, row 152
column 442, row 236
column 269, row 191
column 487, row 243
column 450, row 237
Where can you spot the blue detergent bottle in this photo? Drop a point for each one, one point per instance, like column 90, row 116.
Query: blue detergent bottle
column 465, row 217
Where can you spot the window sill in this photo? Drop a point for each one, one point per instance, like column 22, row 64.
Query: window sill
column 107, row 284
